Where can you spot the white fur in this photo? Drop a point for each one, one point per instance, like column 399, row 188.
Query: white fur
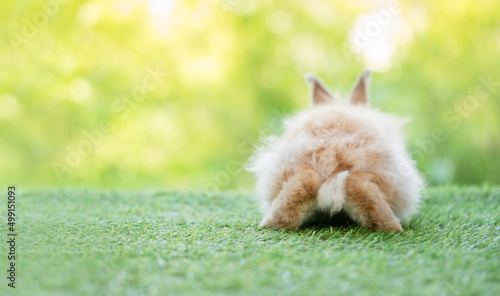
column 331, row 195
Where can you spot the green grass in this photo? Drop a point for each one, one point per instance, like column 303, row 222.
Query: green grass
column 93, row 242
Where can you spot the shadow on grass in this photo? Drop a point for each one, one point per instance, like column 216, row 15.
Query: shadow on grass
column 325, row 220
column 325, row 227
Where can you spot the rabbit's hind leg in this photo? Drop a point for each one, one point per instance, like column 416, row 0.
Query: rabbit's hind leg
column 295, row 202
column 366, row 204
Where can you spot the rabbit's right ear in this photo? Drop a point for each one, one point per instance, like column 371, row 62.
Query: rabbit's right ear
column 319, row 93
column 360, row 93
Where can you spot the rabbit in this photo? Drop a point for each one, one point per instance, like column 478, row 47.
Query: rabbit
column 336, row 157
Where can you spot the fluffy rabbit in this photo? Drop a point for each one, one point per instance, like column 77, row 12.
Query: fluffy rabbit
column 337, row 156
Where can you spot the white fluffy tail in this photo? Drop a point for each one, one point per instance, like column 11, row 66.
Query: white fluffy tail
column 332, row 194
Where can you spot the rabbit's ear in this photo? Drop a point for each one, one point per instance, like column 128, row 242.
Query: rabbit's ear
column 319, row 93
column 360, row 91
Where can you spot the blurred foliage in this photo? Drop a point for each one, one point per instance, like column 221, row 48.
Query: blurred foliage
column 188, row 87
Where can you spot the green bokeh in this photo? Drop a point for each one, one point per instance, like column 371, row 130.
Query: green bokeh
column 230, row 71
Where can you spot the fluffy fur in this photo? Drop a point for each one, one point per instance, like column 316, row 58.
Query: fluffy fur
column 337, row 156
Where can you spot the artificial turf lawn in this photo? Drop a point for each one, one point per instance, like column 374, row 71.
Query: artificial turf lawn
column 97, row 242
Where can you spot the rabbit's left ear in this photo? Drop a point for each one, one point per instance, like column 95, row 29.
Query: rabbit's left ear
column 319, row 93
column 360, row 91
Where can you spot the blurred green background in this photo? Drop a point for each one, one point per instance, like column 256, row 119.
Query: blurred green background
column 130, row 93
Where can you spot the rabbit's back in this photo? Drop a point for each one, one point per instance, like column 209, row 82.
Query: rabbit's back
column 335, row 141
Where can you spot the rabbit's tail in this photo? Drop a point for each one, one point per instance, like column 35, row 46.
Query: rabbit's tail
column 332, row 194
